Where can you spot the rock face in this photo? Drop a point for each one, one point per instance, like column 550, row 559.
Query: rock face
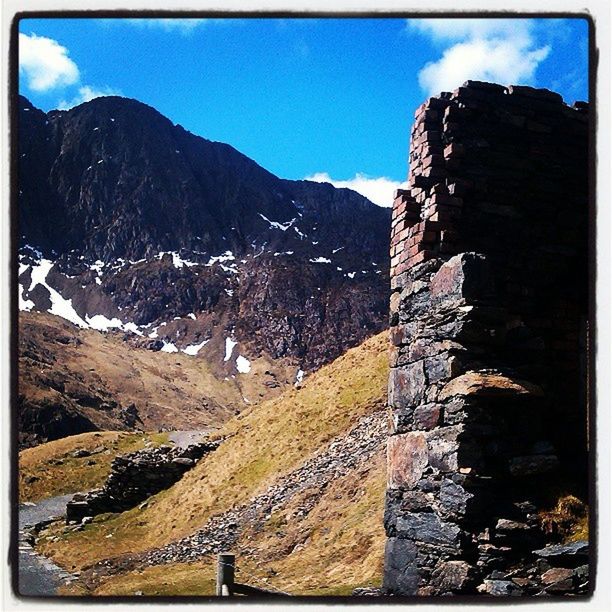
column 135, row 477
column 489, row 314
column 140, row 221
column 130, row 224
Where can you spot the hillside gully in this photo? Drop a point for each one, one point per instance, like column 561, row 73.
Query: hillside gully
column 488, row 389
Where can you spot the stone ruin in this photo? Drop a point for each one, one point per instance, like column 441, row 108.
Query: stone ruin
column 135, row 477
column 489, row 384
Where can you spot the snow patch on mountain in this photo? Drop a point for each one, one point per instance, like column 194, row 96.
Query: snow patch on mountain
column 229, row 348
column 60, row 306
column 194, row 349
column 277, row 225
column 169, row 348
column 243, row 365
column 177, row 261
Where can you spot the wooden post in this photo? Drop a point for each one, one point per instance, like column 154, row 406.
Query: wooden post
column 226, row 564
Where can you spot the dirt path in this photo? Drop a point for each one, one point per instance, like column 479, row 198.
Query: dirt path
column 38, row 576
column 184, row 438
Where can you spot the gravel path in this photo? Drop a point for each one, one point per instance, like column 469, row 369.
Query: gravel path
column 183, row 439
column 38, row 576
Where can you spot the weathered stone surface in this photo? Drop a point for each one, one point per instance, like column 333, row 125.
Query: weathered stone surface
column 416, row 501
column 490, row 385
column 557, row 575
column 429, row 528
column 401, row 575
column 454, row 576
column 443, row 446
column 464, row 276
column 573, row 554
column 500, row 588
column 487, row 364
column 454, row 498
column 441, row 367
column 406, row 459
column 186, row 461
column 426, row 416
column 407, row 385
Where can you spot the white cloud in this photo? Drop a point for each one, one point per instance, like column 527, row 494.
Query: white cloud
column 87, row 93
column 181, row 25
column 45, row 63
column 379, row 190
column 499, row 50
column 442, row 30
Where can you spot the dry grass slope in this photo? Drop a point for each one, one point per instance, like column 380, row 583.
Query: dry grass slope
column 60, row 364
column 336, row 547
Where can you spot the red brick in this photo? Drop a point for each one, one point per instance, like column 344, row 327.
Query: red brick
column 402, row 234
column 433, row 161
column 398, row 208
column 400, row 269
column 434, row 173
column 446, row 200
column 455, row 149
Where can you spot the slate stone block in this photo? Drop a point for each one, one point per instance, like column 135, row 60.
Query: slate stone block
column 401, row 576
column 429, row 528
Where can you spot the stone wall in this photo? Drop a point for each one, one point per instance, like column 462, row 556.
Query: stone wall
column 135, row 477
column 489, row 307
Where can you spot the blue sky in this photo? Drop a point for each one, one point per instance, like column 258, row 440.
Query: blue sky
column 331, row 99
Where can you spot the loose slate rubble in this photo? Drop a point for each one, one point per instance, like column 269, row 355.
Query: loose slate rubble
column 135, row 477
column 489, row 324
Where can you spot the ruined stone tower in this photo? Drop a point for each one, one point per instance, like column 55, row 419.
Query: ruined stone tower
column 489, row 332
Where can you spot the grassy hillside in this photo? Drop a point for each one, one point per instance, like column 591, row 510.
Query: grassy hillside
column 335, row 546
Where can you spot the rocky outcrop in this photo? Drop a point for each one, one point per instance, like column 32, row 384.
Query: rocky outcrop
column 489, row 310
column 135, row 477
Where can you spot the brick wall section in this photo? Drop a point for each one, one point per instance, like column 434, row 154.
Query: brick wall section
column 489, row 305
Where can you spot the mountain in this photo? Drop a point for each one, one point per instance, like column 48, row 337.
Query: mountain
column 131, row 225
column 77, row 380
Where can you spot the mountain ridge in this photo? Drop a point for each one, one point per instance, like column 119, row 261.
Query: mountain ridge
column 130, row 224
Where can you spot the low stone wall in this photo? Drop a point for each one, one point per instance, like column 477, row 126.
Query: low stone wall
column 135, row 477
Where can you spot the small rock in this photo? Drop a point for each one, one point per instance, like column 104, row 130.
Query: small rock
column 556, row 574
column 569, row 554
column 183, row 461
column 507, row 525
column 86, row 520
column 500, row 588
